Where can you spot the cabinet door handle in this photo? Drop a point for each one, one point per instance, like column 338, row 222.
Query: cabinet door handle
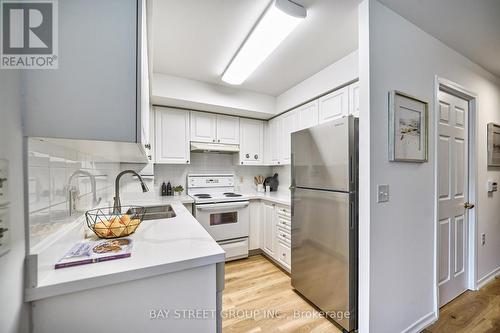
column 213, row 140
column 256, row 156
column 187, row 162
column 247, row 155
column 218, row 140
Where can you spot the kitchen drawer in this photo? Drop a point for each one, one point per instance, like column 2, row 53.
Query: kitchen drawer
column 284, row 223
column 283, row 236
column 235, row 249
column 284, row 211
column 284, row 254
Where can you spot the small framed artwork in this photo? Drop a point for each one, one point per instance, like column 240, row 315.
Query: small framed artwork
column 493, row 145
column 408, row 128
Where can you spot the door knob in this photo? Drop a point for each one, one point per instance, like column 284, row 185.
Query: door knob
column 468, row 205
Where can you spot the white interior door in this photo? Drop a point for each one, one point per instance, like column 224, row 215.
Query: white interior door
column 453, row 196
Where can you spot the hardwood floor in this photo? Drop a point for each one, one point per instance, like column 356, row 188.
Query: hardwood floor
column 471, row 312
column 258, row 297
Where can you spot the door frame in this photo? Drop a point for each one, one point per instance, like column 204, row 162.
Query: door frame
column 462, row 92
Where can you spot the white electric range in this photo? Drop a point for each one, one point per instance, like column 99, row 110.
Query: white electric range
column 221, row 211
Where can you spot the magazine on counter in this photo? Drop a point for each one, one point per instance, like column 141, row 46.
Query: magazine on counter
column 89, row 252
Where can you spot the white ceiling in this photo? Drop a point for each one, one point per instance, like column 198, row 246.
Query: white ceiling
column 196, row 39
column 471, row 27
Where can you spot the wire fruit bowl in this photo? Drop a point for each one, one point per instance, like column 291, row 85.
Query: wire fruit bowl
column 106, row 224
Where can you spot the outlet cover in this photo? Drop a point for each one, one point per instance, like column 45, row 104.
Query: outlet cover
column 4, row 231
column 4, row 185
column 383, row 193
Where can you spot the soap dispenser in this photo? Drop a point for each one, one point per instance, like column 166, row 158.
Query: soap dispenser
column 169, row 189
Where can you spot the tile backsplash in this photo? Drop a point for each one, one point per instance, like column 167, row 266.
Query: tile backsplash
column 206, row 163
column 53, row 171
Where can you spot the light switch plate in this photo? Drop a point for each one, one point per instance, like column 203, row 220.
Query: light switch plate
column 4, row 185
column 383, row 193
column 4, row 231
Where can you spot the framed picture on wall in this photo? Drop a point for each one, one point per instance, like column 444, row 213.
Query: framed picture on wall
column 493, row 145
column 408, row 128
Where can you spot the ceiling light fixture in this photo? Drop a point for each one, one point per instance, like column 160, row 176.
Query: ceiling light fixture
column 278, row 21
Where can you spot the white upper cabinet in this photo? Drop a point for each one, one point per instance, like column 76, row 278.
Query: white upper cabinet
column 334, row 105
column 307, row 115
column 251, row 142
column 354, row 99
column 228, row 129
column 203, row 127
column 208, row 127
column 288, row 125
column 171, row 136
column 143, row 126
column 94, row 94
column 274, row 143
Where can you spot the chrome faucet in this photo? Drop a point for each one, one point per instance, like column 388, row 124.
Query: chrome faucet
column 73, row 192
column 117, row 204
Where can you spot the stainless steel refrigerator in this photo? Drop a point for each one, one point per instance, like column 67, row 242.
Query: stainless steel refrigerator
column 325, row 218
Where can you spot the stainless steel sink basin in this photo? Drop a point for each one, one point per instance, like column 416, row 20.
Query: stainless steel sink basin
column 159, row 212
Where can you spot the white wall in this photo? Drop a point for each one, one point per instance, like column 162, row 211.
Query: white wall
column 13, row 312
column 401, row 257
column 175, row 91
column 337, row 74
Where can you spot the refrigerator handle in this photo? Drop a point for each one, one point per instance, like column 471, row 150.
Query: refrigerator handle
column 292, row 184
column 352, row 209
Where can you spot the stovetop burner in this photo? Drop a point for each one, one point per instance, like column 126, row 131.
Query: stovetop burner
column 230, row 194
column 203, row 196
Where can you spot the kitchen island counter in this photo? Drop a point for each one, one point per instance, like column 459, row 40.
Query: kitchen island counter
column 159, row 247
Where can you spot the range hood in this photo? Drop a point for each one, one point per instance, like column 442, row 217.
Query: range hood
column 214, row 147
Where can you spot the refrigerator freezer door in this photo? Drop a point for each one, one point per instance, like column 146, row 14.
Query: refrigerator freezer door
column 321, row 156
column 322, row 251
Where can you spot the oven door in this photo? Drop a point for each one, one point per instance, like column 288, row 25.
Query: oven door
column 225, row 220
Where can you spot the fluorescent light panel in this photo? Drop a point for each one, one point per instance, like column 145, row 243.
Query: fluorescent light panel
column 279, row 20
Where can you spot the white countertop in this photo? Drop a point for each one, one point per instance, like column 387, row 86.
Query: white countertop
column 160, row 247
column 275, row 197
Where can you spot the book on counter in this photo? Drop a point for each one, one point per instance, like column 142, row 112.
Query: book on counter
column 89, row 252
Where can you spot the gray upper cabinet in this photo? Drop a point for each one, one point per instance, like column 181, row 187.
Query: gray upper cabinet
column 95, row 93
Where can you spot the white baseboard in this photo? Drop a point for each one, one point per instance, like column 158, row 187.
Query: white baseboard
column 487, row 278
column 421, row 323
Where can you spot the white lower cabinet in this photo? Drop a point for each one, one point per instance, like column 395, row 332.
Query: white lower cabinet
column 255, row 231
column 283, row 236
column 275, row 233
column 269, row 228
column 284, row 255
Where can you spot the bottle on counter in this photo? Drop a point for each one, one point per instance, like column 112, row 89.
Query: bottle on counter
column 163, row 189
column 169, row 189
